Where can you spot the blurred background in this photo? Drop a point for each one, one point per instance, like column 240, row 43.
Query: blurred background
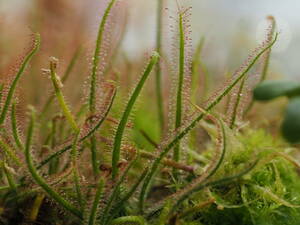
column 231, row 27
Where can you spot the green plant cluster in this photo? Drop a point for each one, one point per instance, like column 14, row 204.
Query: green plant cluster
column 97, row 176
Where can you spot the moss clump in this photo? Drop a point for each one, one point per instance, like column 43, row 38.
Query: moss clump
column 269, row 194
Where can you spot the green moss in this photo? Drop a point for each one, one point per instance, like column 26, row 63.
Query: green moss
column 269, row 194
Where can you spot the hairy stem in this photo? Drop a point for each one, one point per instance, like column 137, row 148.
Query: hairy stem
column 115, row 192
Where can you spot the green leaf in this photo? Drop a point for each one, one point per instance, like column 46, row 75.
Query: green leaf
column 93, row 212
column 59, row 95
column 15, row 127
column 159, row 24
column 116, row 191
column 121, row 127
column 39, row 179
column 218, row 182
column 93, row 79
column 66, row 75
column 170, row 144
column 129, row 194
column 18, row 76
column 178, row 116
column 96, row 57
column 89, row 134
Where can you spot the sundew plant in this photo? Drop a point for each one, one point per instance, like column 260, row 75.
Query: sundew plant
column 145, row 144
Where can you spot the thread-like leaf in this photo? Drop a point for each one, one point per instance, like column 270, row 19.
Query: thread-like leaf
column 36, row 207
column 165, row 149
column 64, row 78
column 96, row 57
column 176, row 155
column 9, row 177
column 168, row 162
column 127, row 196
column 212, row 183
column 1, row 92
column 15, row 127
column 159, row 97
column 115, row 191
column 20, row 72
column 214, row 166
column 120, row 130
column 93, row 149
column 38, row 179
column 76, row 178
column 196, row 208
column 10, row 152
column 266, row 58
column 53, row 166
column 93, row 78
column 266, row 62
column 93, row 212
column 268, row 193
column 60, row 98
column 89, row 134
column 210, row 170
column 163, row 216
column 237, row 102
